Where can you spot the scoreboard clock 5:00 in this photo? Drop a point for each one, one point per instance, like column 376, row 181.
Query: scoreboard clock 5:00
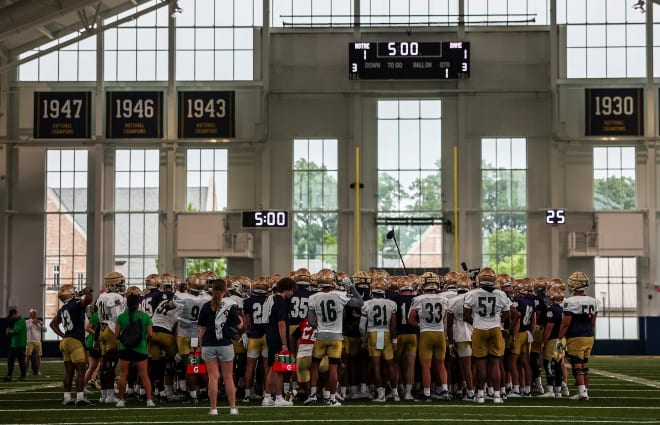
column 411, row 60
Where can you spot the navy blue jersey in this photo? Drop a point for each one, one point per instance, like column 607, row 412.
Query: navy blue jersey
column 351, row 324
column 72, row 319
column 150, row 301
column 541, row 308
column 525, row 307
column 403, row 303
column 554, row 314
column 278, row 311
column 215, row 321
column 299, row 305
column 254, row 307
column 582, row 310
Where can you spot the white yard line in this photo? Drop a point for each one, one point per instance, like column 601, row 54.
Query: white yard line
column 626, row 378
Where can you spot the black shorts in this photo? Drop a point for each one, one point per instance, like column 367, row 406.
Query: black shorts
column 132, row 356
column 94, row 353
column 274, row 346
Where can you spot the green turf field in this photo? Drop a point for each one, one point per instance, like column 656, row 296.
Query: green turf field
column 623, row 390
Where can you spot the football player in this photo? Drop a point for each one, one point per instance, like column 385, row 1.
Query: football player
column 553, row 358
column 378, row 330
column 188, row 305
column 277, row 337
column 255, row 325
column 111, row 304
column 428, row 311
column 577, row 326
column 485, row 308
column 162, row 346
column 72, row 317
column 459, row 334
column 521, row 330
column 326, row 309
column 407, row 335
column 354, row 354
column 536, row 354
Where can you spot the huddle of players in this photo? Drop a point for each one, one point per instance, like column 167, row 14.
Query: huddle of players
column 489, row 338
column 374, row 330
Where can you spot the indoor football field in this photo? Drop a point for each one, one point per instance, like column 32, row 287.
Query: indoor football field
column 623, row 390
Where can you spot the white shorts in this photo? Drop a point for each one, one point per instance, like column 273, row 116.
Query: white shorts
column 223, row 353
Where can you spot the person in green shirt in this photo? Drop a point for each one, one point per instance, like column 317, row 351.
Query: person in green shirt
column 17, row 330
column 137, row 355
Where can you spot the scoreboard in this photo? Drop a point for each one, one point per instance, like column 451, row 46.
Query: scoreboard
column 409, row 60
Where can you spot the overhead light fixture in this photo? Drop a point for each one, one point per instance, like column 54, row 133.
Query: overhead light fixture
column 640, row 6
column 177, row 10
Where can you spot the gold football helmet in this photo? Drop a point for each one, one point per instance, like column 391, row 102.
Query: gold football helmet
column 152, row 281
column 114, row 282
column 325, row 278
column 66, row 292
column 463, row 284
column 261, row 285
column 486, row 278
column 196, row 283
column 540, row 284
column 578, row 281
column 406, row 283
column 302, row 277
column 430, row 281
column 378, row 286
column 361, row 279
column 555, row 294
column 451, row 279
column 133, row 290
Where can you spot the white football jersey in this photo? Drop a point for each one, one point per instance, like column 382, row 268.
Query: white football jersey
column 110, row 305
column 379, row 314
column 581, row 305
column 431, row 310
column 329, row 309
column 462, row 329
column 487, row 307
column 164, row 318
column 188, row 307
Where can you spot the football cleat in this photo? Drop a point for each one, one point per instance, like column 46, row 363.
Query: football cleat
column 424, row 398
column 213, row 412
column 332, row 403
column 281, row 402
column 310, row 400
column 479, row 400
column 83, row 402
column 69, row 402
column 498, row 400
column 267, row 402
column 396, row 397
column 233, row 410
column 548, row 394
column 378, row 399
column 470, row 398
column 580, row 396
column 111, row 400
column 247, row 399
column 120, row 403
column 150, row 403
column 408, row 397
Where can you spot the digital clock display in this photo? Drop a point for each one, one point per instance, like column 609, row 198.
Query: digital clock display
column 555, row 216
column 264, row 219
column 440, row 60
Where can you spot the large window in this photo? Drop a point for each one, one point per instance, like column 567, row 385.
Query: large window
column 66, row 222
column 76, row 62
column 137, row 50
column 206, row 179
column 409, row 177
column 136, row 213
column 614, row 178
column 615, row 291
column 306, row 13
column 315, row 171
column 604, row 40
column 503, row 204
column 214, row 39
